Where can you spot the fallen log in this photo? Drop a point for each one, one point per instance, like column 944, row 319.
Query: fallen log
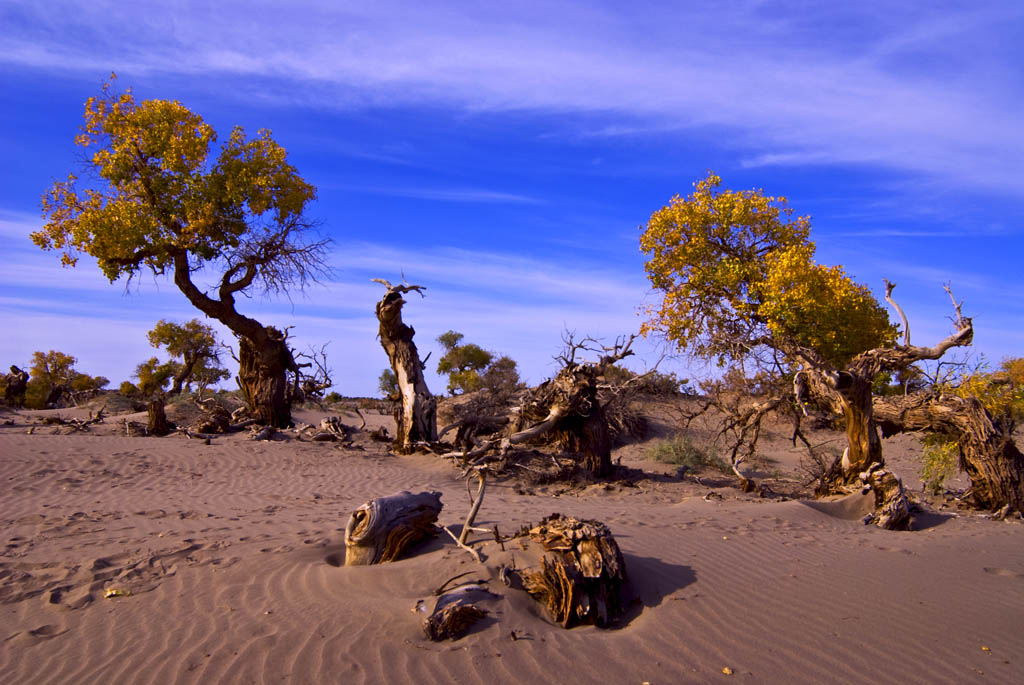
column 383, row 528
column 581, row 573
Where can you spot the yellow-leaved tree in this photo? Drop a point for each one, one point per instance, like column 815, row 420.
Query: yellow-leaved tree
column 738, row 281
column 164, row 198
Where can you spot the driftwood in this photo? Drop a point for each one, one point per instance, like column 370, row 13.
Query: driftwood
column 383, row 528
column 455, row 611
column 462, row 539
column 331, row 429
column 216, row 419
column 581, row 573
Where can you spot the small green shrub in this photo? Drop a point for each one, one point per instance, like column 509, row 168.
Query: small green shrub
column 680, row 450
column 941, row 461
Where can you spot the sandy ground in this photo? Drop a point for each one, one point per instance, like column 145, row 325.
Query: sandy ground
column 232, row 553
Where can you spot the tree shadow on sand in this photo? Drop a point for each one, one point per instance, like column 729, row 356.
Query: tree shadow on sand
column 648, row 582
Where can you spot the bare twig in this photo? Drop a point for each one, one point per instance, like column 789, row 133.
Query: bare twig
column 906, row 324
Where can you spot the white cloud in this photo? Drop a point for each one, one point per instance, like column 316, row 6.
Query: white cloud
column 910, row 88
column 512, row 305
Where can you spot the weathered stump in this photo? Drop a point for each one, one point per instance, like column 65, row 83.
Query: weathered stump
column 157, row 418
column 581, row 574
column 455, row 612
column 383, row 528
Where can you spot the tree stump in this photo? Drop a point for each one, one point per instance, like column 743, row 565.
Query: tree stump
column 383, row 528
column 157, row 418
column 455, row 612
column 581, row 574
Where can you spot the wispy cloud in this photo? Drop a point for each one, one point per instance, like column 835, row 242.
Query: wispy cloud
column 786, row 84
column 513, row 305
column 469, row 195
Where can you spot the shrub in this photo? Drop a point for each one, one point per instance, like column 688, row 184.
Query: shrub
column 128, row 389
column 680, row 450
column 941, row 461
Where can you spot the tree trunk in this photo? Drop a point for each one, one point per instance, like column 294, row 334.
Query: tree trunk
column 262, row 374
column 157, row 423
column 988, row 453
column 861, row 464
column 383, row 528
column 416, row 415
column 581, row 574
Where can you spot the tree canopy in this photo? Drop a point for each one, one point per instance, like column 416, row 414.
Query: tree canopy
column 167, row 199
column 163, row 198
column 737, row 271
column 463, row 363
column 193, row 345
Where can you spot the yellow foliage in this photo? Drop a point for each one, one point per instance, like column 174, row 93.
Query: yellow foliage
column 1001, row 392
column 162, row 195
column 736, row 268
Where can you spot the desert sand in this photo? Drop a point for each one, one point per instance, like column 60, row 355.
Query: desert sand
column 231, row 558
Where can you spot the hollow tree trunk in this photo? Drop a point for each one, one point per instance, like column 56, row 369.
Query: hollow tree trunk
column 383, row 528
column 262, row 374
column 416, row 415
column 988, row 453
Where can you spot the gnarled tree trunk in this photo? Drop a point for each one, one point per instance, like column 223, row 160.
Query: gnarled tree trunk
column 416, row 417
column 579, row 425
column 848, row 392
column 263, row 366
column 988, row 453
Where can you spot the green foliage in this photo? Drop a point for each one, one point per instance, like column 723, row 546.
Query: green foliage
column 154, row 376
column 387, row 383
column 193, row 347
column 462, row 364
column 653, row 383
column 1001, row 391
column 680, row 450
column 736, row 270
column 50, row 377
column 83, row 382
column 941, row 460
column 128, row 389
column 333, row 397
column 501, row 378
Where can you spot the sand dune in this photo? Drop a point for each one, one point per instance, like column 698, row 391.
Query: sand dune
column 232, row 554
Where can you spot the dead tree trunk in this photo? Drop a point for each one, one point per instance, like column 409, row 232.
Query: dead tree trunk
column 581, row 574
column 417, row 410
column 15, row 385
column 157, row 418
column 988, row 453
column 579, row 424
column 383, row 528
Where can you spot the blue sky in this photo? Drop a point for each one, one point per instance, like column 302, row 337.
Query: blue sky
column 505, row 156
